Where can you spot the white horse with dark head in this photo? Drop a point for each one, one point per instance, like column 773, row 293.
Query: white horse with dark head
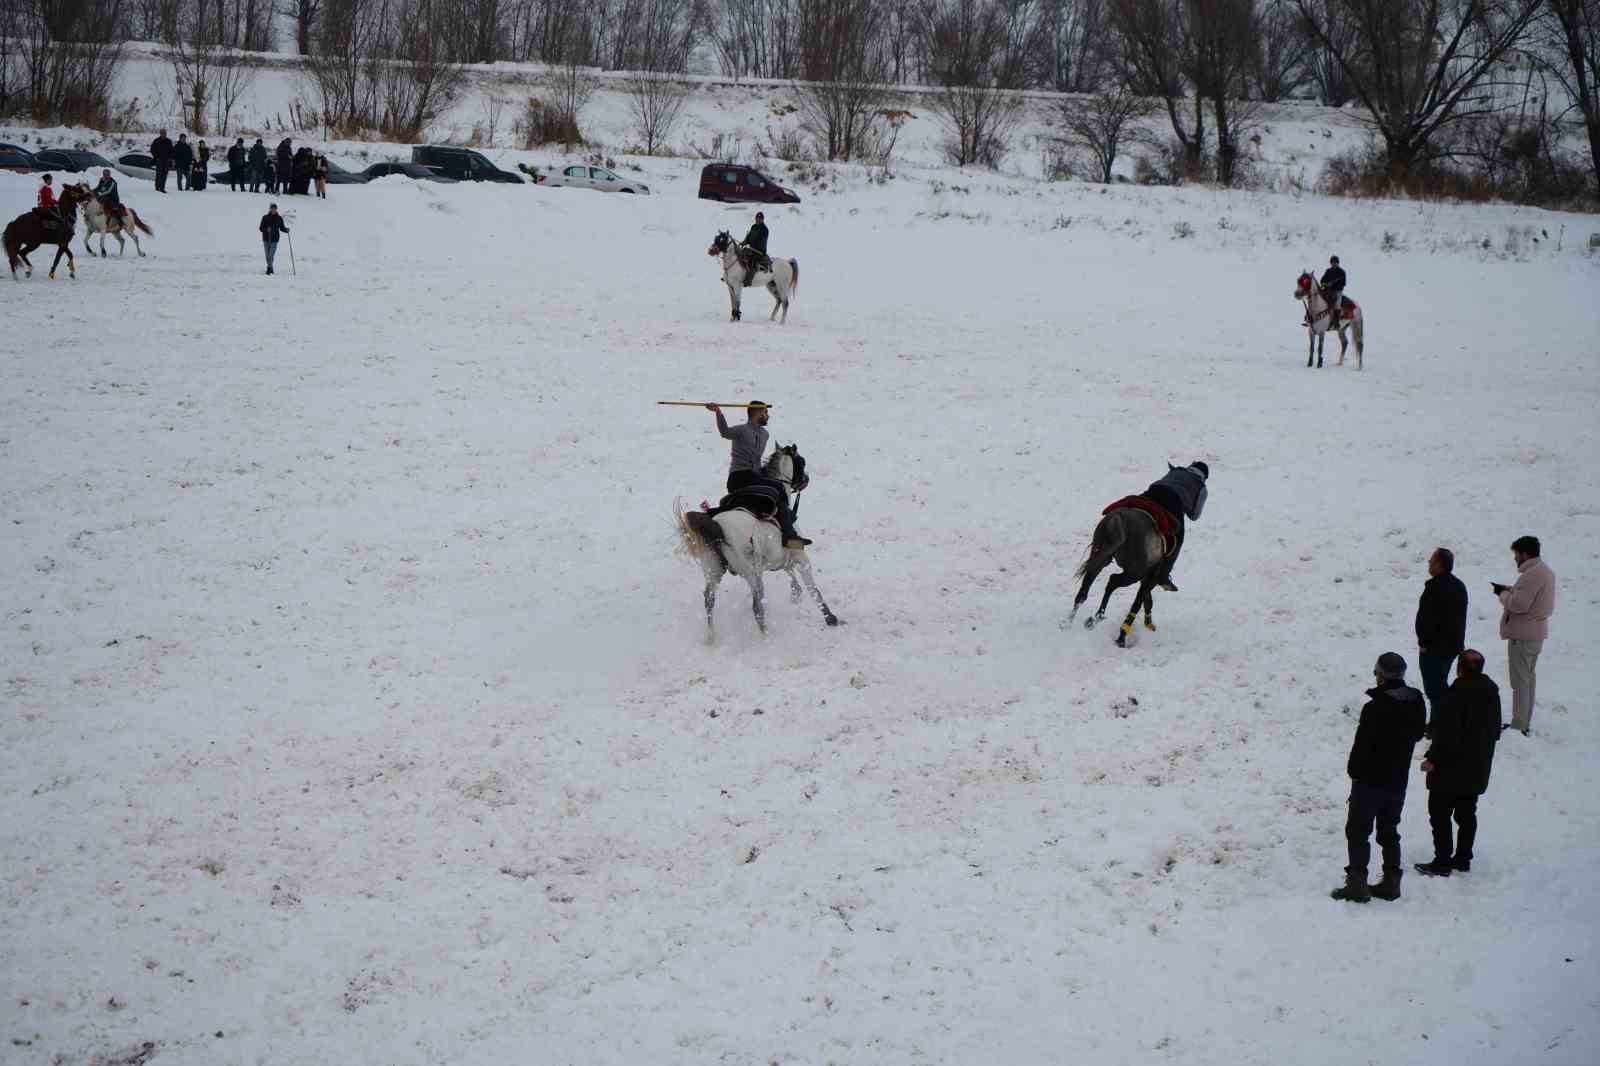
column 1321, row 317
column 740, row 542
column 780, row 279
column 96, row 219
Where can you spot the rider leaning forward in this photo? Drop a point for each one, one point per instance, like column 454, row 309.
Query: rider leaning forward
column 1181, row 492
column 749, row 442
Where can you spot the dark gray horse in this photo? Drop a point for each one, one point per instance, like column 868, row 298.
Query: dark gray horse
column 1129, row 536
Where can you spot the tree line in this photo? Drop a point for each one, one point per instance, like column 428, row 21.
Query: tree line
column 1437, row 80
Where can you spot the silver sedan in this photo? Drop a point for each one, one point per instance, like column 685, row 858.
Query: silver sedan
column 579, row 176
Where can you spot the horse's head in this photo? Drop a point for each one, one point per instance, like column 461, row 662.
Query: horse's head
column 1302, row 287
column 720, row 243
column 789, row 466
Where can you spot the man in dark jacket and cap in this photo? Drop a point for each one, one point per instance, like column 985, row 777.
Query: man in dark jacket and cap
column 1441, row 625
column 1466, row 727
column 755, row 248
column 1181, row 492
column 183, row 160
column 1379, row 767
column 1333, row 282
column 285, row 162
column 236, row 158
column 161, row 152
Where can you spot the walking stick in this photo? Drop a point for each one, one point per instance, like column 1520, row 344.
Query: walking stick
column 293, row 273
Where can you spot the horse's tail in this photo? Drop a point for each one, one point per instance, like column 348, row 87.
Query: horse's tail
column 1108, row 537
column 139, row 222
column 794, row 277
column 698, row 532
column 11, row 244
column 1358, row 331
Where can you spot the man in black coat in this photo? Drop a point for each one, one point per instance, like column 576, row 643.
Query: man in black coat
column 1466, row 727
column 1441, row 625
column 272, row 226
column 161, row 152
column 285, row 163
column 183, row 160
column 258, row 165
column 1380, row 765
column 236, row 158
column 1333, row 282
column 755, row 248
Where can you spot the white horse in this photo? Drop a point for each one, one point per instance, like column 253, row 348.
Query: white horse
column 96, row 219
column 738, row 542
column 781, row 281
column 1319, row 321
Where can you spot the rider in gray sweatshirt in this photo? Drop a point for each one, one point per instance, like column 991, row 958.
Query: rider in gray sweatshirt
column 1181, row 492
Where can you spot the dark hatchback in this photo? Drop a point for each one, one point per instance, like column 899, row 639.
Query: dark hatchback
column 16, row 160
column 734, row 183
column 462, row 164
column 415, row 171
column 72, row 161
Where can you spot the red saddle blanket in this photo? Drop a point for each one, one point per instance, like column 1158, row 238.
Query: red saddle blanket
column 1162, row 520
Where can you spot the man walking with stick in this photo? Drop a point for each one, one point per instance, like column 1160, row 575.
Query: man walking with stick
column 271, row 226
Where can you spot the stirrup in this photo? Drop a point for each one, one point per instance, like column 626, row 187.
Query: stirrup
column 1167, row 584
column 796, row 542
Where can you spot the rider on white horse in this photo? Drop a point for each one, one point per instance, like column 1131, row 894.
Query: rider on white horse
column 755, row 243
column 106, row 192
column 1333, row 282
column 749, row 442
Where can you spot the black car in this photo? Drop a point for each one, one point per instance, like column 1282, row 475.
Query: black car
column 17, row 160
column 73, row 161
column 462, row 164
column 415, row 171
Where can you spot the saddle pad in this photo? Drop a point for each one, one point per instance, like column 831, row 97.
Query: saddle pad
column 1156, row 512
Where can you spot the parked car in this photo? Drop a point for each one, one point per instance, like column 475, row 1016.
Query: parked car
column 136, row 165
column 461, row 163
column 16, row 160
column 415, row 171
column 734, row 183
column 73, row 161
column 579, row 176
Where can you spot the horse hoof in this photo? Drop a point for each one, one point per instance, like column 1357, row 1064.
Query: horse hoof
column 1122, row 640
column 1088, row 623
column 833, row 620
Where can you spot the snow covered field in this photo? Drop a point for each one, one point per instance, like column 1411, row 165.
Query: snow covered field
column 357, row 709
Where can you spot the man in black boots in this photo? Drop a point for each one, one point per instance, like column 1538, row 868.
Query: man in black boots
column 182, row 160
column 1380, row 765
column 1466, row 727
column 161, row 152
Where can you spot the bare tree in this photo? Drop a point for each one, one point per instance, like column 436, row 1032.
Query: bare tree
column 1219, row 51
column 194, row 55
column 341, row 63
column 756, row 38
column 1151, row 56
column 844, row 70
column 1420, row 66
column 1571, row 30
column 422, row 78
column 1105, row 124
column 655, row 101
column 304, row 13
column 659, row 50
column 1282, row 51
column 234, row 76
column 10, row 60
column 68, row 56
column 969, row 57
column 1074, row 44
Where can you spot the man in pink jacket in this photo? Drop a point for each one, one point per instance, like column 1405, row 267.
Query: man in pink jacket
column 1524, row 623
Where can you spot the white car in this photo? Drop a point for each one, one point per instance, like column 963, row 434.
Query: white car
column 579, row 176
column 137, row 165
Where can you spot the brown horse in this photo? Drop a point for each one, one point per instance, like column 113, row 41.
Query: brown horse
column 29, row 231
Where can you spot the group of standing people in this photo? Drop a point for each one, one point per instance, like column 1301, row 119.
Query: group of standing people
column 187, row 162
column 1462, row 721
column 287, row 171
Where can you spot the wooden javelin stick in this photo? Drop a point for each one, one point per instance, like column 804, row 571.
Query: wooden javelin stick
column 695, row 403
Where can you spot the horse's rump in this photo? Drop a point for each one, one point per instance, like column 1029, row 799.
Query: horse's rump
column 1162, row 519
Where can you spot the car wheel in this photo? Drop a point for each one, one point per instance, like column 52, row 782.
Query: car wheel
column 628, row 191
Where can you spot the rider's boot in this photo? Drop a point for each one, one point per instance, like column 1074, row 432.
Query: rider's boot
column 791, row 538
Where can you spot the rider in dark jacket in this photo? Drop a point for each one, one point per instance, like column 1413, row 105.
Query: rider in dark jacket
column 755, row 243
column 1333, row 285
column 106, row 192
column 1181, row 492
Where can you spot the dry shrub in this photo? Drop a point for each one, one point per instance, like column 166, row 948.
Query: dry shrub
column 541, row 124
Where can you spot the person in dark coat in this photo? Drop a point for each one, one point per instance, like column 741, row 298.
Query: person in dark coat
column 161, row 152
column 304, row 164
column 1379, row 767
column 1181, row 492
column 285, row 163
column 1332, row 283
column 257, row 157
column 755, row 244
column 272, row 225
column 183, row 160
column 1441, row 624
column 1466, row 727
column 236, row 159
column 320, row 174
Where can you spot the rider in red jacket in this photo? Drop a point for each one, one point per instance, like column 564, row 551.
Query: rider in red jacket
column 47, row 209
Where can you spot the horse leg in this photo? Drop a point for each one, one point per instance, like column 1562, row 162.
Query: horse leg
column 1311, row 345
column 1121, row 579
column 758, row 599
column 794, row 588
column 1140, row 598
column 1341, row 346
column 88, row 235
column 733, row 302
column 803, row 565
column 62, row 249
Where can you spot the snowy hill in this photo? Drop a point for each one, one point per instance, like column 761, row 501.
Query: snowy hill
column 358, row 709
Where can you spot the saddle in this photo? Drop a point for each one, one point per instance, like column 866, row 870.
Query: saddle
column 753, row 261
column 762, row 501
column 1157, row 513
